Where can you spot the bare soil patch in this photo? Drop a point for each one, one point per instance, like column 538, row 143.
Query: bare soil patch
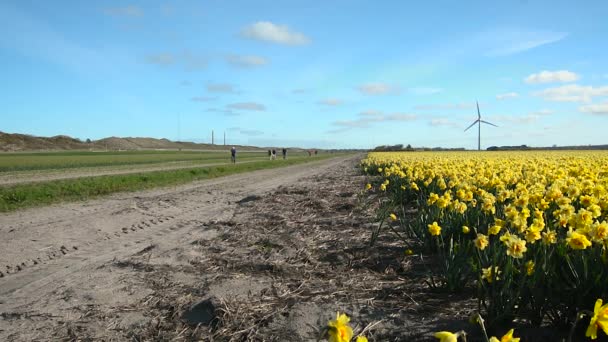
column 265, row 256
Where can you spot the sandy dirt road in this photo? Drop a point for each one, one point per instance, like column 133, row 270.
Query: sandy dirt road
column 269, row 255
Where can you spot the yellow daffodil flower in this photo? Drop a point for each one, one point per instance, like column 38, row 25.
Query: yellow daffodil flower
column 434, row 229
column 446, row 336
column 599, row 320
column 508, row 337
column 339, row 330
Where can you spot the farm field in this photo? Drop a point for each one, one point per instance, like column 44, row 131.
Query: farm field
column 14, row 163
column 20, row 189
column 527, row 231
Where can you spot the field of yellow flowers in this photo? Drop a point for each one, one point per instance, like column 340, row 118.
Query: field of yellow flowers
column 528, row 230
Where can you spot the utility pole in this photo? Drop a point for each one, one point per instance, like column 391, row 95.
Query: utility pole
column 212, row 137
column 179, row 130
column 224, row 138
column 179, row 127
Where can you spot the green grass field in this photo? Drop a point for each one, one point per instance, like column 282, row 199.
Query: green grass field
column 20, row 196
column 68, row 160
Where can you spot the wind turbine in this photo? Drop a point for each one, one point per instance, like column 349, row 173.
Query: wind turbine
column 479, row 121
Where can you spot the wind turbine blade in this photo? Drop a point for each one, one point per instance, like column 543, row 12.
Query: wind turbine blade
column 489, row 123
column 473, row 124
column 478, row 112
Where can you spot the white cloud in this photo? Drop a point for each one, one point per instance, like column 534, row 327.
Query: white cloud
column 193, row 62
column 247, row 106
column 127, row 11
column 330, row 102
column 597, row 109
column 572, row 93
column 379, row 89
column 509, row 41
column 227, row 112
column 246, row 61
column 189, row 61
column 280, row 34
column 514, row 119
column 366, row 118
column 545, row 76
column 444, row 122
column 425, row 90
column 203, row 98
column 352, row 123
column 542, row 112
column 507, row 96
column 251, row 132
column 162, row 59
column 221, row 88
column 445, row 106
column 371, row 113
column 531, row 117
column 400, row 117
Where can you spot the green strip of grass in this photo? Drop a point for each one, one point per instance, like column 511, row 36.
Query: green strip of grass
column 13, row 162
column 38, row 194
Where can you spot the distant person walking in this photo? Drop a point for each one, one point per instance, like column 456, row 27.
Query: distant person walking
column 284, row 153
column 233, row 154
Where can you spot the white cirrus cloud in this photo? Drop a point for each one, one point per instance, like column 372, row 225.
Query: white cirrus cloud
column 437, row 122
column 193, row 62
column 379, row 88
column 251, row 132
column 572, row 93
column 508, row 41
column 226, row 88
column 368, row 117
column 330, row 102
column 299, row 91
column 542, row 112
column 270, row 32
column 246, row 61
column 126, row 11
column 203, row 98
column 445, row 106
column 425, row 90
column 597, row 109
column 254, row 106
column 189, row 61
column 505, row 96
column 559, row 76
column 227, row 112
column 371, row 113
column 514, row 119
column 162, row 59
column 400, row 117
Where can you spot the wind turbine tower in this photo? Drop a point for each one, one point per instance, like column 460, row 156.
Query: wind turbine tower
column 478, row 122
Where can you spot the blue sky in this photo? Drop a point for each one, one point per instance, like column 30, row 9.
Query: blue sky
column 329, row 74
